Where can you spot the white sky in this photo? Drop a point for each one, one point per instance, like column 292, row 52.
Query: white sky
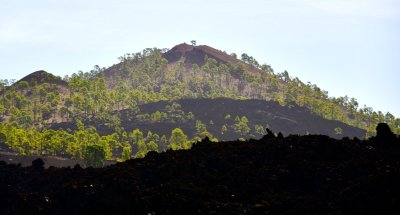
column 347, row 47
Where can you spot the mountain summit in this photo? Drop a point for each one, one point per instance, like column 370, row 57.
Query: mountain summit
column 41, row 77
column 197, row 55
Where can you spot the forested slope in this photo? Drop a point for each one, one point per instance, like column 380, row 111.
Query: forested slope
column 105, row 106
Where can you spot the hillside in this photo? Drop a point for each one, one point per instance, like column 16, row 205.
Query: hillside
column 148, row 99
column 205, row 72
column 294, row 175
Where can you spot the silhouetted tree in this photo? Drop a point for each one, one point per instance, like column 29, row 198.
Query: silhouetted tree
column 384, row 135
column 95, row 155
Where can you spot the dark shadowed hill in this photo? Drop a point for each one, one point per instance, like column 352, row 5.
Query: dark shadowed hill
column 289, row 119
column 293, row 175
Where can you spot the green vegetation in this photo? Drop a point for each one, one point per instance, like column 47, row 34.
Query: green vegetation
column 241, row 125
column 178, row 140
column 338, row 130
column 86, row 143
column 28, row 107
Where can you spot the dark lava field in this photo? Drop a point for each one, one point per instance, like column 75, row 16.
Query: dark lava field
column 310, row 174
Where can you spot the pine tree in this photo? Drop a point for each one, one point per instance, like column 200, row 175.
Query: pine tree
column 178, row 140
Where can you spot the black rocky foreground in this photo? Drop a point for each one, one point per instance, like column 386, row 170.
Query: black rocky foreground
column 275, row 175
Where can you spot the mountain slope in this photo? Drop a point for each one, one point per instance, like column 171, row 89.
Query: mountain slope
column 204, row 72
column 157, row 91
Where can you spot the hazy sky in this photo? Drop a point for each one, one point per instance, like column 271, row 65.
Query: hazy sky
column 347, row 47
